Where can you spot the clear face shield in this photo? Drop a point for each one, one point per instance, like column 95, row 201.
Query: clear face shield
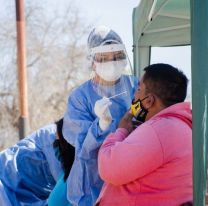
column 111, row 67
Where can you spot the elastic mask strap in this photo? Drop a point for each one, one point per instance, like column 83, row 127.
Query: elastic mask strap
column 135, row 102
column 108, row 48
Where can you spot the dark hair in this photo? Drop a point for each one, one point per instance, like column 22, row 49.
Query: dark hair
column 166, row 82
column 67, row 151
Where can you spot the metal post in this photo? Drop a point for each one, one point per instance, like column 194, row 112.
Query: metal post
column 141, row 53
column 21, row 63
column 199, row 49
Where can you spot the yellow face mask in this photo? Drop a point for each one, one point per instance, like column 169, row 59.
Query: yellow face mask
column 135, row 107
column 138, row 110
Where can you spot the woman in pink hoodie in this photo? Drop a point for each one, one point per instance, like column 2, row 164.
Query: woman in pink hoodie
column 151, row 165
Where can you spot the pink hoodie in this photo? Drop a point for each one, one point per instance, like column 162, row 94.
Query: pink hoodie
column 152, row 165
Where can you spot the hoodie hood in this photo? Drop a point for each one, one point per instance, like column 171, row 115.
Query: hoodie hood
column 179, row 110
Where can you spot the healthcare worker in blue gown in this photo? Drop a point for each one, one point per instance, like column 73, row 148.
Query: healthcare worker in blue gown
column 29, row 169
column 94, row 110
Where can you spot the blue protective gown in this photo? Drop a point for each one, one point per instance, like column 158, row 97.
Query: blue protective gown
column 29, row 169
column 82, row 130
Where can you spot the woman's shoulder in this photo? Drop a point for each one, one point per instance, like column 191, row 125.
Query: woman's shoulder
column 82, row 88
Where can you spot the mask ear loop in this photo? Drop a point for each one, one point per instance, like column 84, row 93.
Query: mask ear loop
column 134, row 102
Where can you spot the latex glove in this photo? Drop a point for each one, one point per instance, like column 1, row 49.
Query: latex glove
column 102, row 111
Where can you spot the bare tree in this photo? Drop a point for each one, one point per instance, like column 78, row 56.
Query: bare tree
column 56, row 50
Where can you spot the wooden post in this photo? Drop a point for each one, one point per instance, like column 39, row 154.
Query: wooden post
column 21, row 64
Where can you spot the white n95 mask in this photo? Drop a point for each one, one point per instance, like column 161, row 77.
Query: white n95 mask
column 110, row 71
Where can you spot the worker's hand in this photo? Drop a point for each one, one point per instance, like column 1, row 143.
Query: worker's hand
column 126, row 122
column 102, row 111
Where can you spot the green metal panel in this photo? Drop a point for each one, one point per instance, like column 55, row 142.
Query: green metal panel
column 166, row 38
column 176, row 7
column 135, row 43
column 199, row 41
column 165, row 21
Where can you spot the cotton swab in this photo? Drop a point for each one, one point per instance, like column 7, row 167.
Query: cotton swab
column 117, row 95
